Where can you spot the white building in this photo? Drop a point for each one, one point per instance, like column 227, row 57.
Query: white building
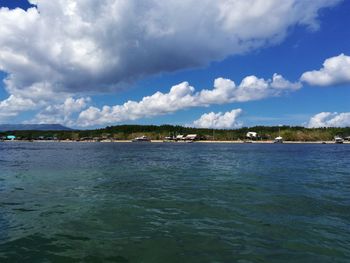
column 180, row 137
column 191, row 137
column 252, row 135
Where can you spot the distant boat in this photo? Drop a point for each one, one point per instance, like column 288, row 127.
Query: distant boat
column 141, row 139
column 338, row 139
column 169, row 139
column 278, row 139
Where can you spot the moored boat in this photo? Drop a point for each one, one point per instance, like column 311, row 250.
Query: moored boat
column 338, row 139
column 278, row 139
column 141, row 139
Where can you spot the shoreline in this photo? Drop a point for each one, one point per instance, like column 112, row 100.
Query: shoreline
column 171, row 142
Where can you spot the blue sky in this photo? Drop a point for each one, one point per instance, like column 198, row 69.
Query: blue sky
column 300, row 50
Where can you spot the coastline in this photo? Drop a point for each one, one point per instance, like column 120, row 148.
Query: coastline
column 167, row 142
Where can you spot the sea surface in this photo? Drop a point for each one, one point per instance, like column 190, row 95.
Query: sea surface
column 168, row 202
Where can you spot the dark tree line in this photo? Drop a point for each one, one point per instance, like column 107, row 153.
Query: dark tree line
column 126, row 132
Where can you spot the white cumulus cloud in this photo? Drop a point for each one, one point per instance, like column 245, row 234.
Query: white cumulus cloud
column 335, row 71
column 184, row 96
column 84, row 45
column 61, row 113
column 66, row 48
column 219, row 120
column 330, row 119
column 11, row 106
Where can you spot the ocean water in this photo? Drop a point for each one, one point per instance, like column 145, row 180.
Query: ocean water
column 149, row 202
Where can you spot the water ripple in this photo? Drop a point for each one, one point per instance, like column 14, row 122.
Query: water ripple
column 174, row 203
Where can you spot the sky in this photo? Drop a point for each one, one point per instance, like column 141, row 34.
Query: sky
column 212, row 64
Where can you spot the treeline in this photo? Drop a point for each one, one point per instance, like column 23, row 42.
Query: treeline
column 127, row 132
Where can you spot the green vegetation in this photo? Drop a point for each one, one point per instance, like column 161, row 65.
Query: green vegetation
column 127, row 132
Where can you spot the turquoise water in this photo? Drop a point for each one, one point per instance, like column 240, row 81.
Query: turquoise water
column 123, row 202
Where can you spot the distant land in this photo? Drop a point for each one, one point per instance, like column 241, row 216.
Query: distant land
column 33, row 127
column 154, row 132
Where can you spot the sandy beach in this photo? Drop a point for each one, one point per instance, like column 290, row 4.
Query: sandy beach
column 182, row 142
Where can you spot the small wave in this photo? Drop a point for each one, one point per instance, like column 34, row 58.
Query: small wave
column 10, row 203
column 23, row 210
column 74, row 238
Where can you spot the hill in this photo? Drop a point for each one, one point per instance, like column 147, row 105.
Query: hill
column 33, row 127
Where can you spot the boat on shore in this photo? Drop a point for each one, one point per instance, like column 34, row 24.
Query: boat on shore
column 338, row 139
column 278, row 139
column 141, row 139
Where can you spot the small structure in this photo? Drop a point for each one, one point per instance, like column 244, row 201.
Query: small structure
column 278, row 139
column 347, row 138
column 141, row 139
column 169, row 139
column 338, row 139
column 252, row 135
column 11, row 137
column 86, row 139
column 179, row 138
column 191, row 137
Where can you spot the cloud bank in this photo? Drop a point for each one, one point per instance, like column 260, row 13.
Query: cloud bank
column 335, row 71
column 13, row 104
column 74, row 46
column 330, row 119
column 61, row 113
column 183, row 96
column 66, row 49
column 227, row 120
